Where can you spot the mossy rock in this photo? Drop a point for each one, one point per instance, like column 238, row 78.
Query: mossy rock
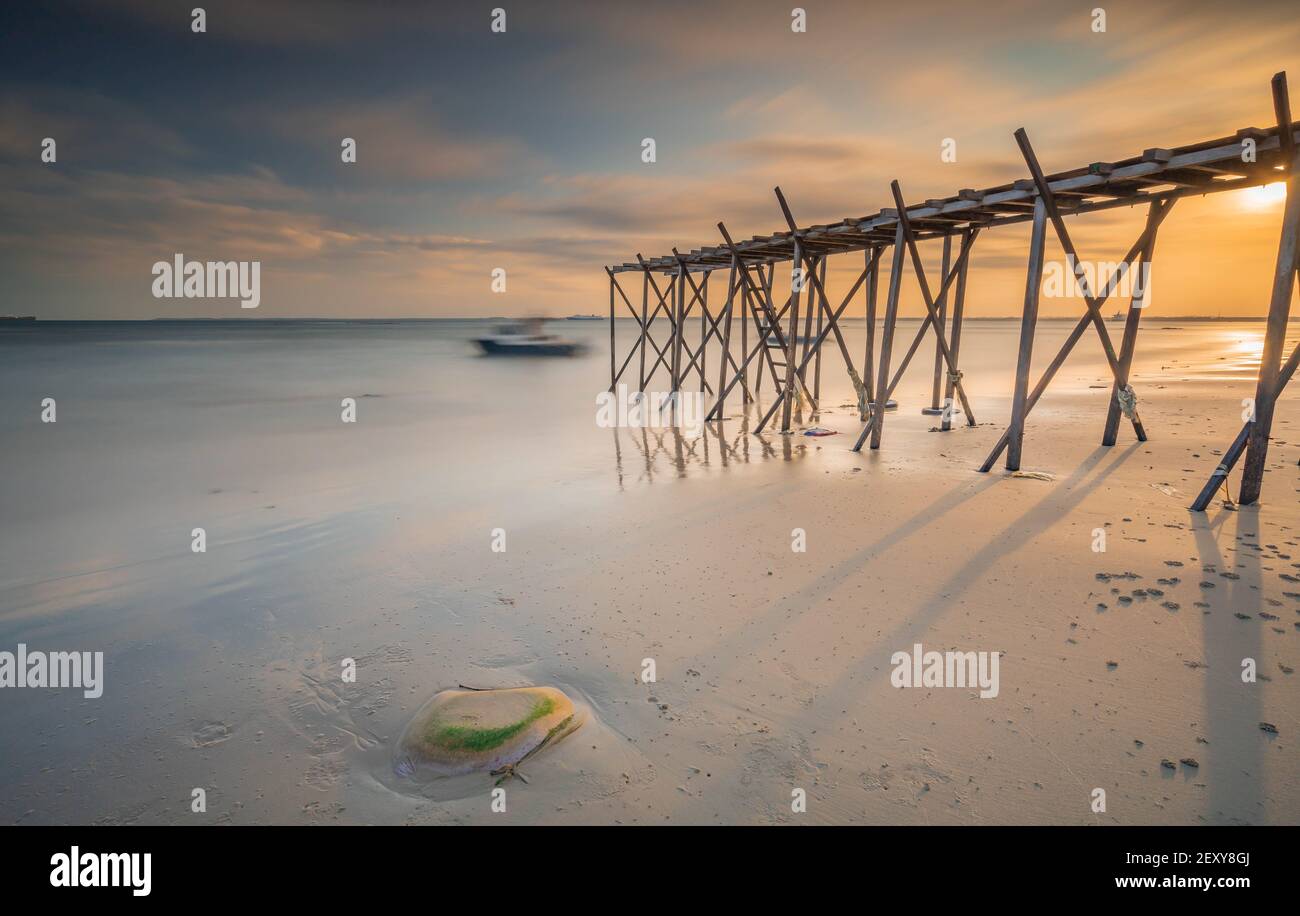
column 464, row 731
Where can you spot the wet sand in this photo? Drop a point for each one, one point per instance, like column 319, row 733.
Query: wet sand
column 372, row 541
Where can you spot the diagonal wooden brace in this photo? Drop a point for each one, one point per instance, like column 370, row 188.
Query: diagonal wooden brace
column 1072, row 256
column 910, row 238
column 968, row 243
column 1077, row 333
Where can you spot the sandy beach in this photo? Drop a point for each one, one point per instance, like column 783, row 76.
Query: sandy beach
column 372, row 541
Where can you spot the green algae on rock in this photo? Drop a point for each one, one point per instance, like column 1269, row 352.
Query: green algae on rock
column 464, row 731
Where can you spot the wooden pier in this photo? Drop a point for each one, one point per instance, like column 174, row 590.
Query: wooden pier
column 676, row 284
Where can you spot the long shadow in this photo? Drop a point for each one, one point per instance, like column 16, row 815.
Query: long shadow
column 1019, row 532
column 808, row 596
column 1232, row 708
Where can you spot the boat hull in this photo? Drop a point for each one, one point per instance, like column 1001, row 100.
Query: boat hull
column 501, row 348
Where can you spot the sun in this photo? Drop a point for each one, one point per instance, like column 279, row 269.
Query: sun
column 1264, row 196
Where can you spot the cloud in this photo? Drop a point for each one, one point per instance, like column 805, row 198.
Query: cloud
column 523, row 162
column 399, row 140
column 87, row 126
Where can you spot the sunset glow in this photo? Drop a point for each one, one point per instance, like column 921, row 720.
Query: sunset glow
column 1264, row 196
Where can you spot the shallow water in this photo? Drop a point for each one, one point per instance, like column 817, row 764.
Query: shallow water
column 369, row 541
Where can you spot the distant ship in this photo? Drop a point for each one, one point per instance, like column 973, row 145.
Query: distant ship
column 17, row 319
column 585, row 318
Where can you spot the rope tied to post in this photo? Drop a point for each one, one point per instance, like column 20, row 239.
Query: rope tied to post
column 1128, row 401
column 955, row 377
column 864, row 401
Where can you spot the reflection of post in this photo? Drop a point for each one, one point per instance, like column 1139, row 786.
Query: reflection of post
column 958, row 307
column 618, row 456
column 1028, row 323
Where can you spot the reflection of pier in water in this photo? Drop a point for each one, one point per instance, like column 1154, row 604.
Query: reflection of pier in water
column 656, row 450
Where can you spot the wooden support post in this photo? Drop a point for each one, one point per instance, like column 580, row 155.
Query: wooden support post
column 1028, row 324
column 941, row 307
column 1239, row 444
column 1072, row 258
column 770, row 323
column 614, row 285
column 744, row 336
column 645, row 328
column 1075, row 335
column 791, row 375
column 766, row 289
column 876, row 427
column 930, row 318
column 958, row 308
column 817, row 294
column 817, row 365
column 664, row 304
column 679, row 325
column 704, row 326
column 613, row 372
column 1223, row 470
column 1128, row 344
column 832, row 324
column 709, row 329
column 679, row 336
column 873, row 284
column 933, row 318
column 726, row 341
column 813, row 306
column 1267, row 388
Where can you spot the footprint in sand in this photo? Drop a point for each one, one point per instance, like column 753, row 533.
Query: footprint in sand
column 210, row 733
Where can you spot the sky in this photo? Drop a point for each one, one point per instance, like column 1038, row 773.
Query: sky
column 522, row 150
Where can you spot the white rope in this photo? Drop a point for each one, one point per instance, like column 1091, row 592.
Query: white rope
column 864, row 403
column 1128, row 400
